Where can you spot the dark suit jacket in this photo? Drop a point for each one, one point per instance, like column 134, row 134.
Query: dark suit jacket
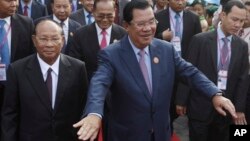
column 203, row 54
column 37, row 10
column 191, row 26
column 134, row 113
column 73, row 26
column 27, row 114
column 86, row 46
column 78, row 16
column 21, row 42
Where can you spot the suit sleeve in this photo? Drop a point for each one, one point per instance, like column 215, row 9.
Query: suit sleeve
column 195, row 79
column 99, row 85
column 242, row 85
column 183, row 90
column 10, row 109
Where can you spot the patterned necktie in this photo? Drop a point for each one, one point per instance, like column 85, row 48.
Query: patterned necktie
column 4, row 47
column 144, row 70
column 89, row 18
column 177, row 25
column 224, row 54
column 64, row 44
column 25, row 11
column 49, row 83
column 103, row 41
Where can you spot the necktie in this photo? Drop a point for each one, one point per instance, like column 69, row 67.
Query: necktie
column 25, row 11
column 89, row 18
column 49, row 83
column 4, row 47
column 103, row 41
column 224, row 54
column 177, row 25
column 144, row 70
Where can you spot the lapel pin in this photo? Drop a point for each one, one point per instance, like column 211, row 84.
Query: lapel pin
column 156, row 60
column 71, row 34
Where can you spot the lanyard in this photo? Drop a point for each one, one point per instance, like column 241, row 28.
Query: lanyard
column 5, row 37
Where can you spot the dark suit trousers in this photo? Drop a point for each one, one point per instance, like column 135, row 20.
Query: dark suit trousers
column 217, row 129
column 248, row 104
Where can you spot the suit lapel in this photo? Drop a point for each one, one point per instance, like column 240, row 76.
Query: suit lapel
column 234, row 52
column 129, row 57
column 35, row 77
column 14, row 36
column 63, row 80
column 213, row 46
column 94, row 38
column 114, row 34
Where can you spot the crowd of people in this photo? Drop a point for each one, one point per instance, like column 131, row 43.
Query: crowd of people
column 123, row 70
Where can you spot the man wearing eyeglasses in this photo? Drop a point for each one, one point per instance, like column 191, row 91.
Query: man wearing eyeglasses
column 45, row 92
column 139, row 70
column 88, row 40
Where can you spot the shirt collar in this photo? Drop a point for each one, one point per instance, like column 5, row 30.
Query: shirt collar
column 221, row 34
column 172, row 13
column 86, row 13
column 66, row 22
column 44, row 66
column 137, row 50
column 99, row 30
column 29, row 4
column 7, row 20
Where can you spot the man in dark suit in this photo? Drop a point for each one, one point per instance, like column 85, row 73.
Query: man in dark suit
column 223, row 58
column 139, row 71
column 188, row 21
column 76, row 4
column 47, row 3
column 88, row 39
column 19, row 29
column 61, row 11
column 178, row 32
column 45, row 92
column 35, row 9
column 84, row 15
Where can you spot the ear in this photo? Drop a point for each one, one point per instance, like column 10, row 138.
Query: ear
column 222, row 15
column 34, row 40
column 125, row 25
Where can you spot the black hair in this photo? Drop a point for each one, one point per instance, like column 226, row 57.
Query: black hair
column 134, row 4
column 230, row 4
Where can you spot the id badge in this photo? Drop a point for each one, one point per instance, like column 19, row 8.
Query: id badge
column 176, row 41
column 222, row 80
column 2, row 72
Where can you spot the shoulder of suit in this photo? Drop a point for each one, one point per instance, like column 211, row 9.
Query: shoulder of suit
column 22, row 19
column 73, row 22
column 71, row 59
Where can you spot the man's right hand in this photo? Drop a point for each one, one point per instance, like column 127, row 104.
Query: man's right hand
column 167, row 35
column 89, row 127
column 181, row 110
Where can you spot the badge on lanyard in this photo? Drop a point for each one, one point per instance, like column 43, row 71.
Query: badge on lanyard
column 2, row 72
column 176, row 41
column 222, row 79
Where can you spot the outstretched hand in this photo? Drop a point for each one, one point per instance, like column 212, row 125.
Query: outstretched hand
column 89, row 127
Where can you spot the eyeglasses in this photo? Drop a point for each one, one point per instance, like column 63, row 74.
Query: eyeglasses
column 103, row 16
column 45, row 40
column 143, row 24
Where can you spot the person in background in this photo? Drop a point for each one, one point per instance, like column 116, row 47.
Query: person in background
column 84, row 15
column 223, row 57
column 160, row 5
column 199, row 9
column 15, row 39
column 61, row 11
column 139, row 70
column 32, row 9
column 45, row 92
column 210, row 9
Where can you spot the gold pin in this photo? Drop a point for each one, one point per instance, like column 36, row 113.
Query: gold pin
column 115, row 40
column 71, row 34
column 156, row 60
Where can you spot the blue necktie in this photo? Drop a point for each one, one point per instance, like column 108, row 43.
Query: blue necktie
column 89, row 18
column 177, row 25
column 4, row 47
